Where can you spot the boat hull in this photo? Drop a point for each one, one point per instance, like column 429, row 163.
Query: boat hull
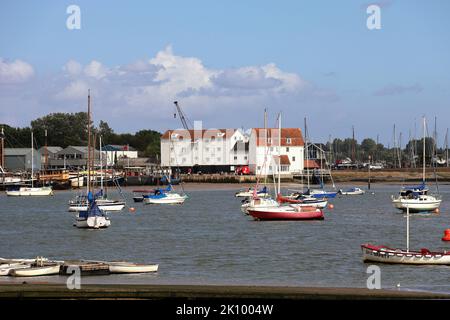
column 35, row 271
column 169, row 199
column 286, row 214
column 415, row 205
column 97, row 222
column 382, row 254
column 115, row 206
column 30, row 192
column 132, row 268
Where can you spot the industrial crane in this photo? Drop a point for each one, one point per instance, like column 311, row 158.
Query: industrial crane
column 183, row 118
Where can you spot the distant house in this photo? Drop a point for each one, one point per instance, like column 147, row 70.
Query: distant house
column 52, row 154
column 73, row 157
column 116, row 152
column 19, row 159
column 265, row 153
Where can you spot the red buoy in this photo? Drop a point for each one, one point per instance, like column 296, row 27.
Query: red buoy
column 331, row 206
column 437, row 210
column 446, row 235
column 132, row 209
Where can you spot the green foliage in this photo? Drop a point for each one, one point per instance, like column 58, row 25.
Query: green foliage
column 65, row 129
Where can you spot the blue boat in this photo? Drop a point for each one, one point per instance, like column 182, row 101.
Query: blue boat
column 93, row 218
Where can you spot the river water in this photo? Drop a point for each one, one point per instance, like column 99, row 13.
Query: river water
column 208, row 240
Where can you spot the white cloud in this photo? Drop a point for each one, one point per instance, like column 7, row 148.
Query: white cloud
column 95, row 70
column 73, row 67
column 16, row 71
column 75, row 90
column 148, row 87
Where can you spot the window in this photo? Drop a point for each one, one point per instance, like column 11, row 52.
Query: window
column 235, row 157
column 269, row 140
column 288, row 140
column 293, row 158
column 245, row 158
column 218, row 149
column 287, row 149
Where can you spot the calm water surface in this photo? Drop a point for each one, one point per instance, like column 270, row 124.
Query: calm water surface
column 209, row 241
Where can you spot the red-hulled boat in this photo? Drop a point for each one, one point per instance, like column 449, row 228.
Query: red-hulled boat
column 286, row 212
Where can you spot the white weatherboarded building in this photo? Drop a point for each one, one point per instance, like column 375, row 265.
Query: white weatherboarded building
column 264, row 151
column 208, row 151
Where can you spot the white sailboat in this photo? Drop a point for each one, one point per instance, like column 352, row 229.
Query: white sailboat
column 81, row 203
column 416, row 198
column 92, row 217
column 383, row 254
column 31, row 191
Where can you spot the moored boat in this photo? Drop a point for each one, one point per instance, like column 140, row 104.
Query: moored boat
column 352, row 191
column 383, row 254
column 35, row 271
column 129, row 267
column 30, row 191
column 286, row 212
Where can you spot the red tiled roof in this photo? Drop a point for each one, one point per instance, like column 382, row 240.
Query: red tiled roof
column 192, row 134
column 294, row 134
column 284, row 159
column 311, row 164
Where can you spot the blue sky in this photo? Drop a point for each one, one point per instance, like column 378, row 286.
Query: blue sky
column 225, row 62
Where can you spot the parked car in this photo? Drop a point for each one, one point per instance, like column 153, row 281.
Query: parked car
column 243, row 170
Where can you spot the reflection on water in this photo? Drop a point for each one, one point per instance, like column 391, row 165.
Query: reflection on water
column 209, row 240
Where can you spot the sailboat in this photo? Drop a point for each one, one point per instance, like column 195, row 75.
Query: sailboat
column 31, row 191
column 416, row 198
column 92, row 217
column 80, row 203
column 383, row 254
column 280, row 211
column 316, row 193
column 165, row 196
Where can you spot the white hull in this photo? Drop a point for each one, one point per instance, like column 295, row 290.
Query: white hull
column 421, row 204
column 45, row 191
column 249, row 194
column 77, row 182
column 104, row 207
column 124, row 267
column 404, row 257
column 5, row 269
column 92, row 223
column 319, row 205
column 259, row 203
column 35, row 271
column 171, row 198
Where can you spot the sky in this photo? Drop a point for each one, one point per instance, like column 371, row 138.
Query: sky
column 227, row 61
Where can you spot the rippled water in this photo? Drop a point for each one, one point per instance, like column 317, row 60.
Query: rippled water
column 209, row 240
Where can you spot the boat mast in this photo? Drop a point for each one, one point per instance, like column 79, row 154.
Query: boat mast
column 265, row 144
column 279, row 153
column 2, row 149
column 32, row 156
column 101, row 164
column 307, row 154
column 446, row 148
column 89, row 143
column 423, row 151
column 46, row 152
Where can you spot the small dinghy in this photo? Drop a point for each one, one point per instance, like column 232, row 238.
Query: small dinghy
column 352, row 192
column 35, row 271
column 5, row 269
column 129, row 267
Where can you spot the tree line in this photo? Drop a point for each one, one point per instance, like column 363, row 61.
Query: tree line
column 65, row 129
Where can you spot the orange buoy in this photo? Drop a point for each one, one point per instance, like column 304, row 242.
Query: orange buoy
column 132, row 209
column 437, row 210
column 446, row 235
column 331, row 206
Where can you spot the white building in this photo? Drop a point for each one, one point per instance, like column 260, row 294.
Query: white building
column 264, row 151
column 208, row 151
column 113, row 153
